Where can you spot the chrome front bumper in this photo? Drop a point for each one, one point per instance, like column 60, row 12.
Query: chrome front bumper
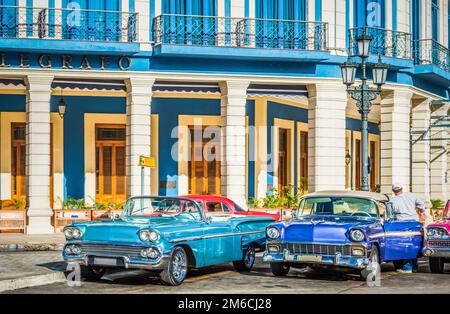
column 123, row 260
column 325, row 260
column 128, row 264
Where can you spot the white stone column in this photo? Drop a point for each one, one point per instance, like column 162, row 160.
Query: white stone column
column 232, row 166
column 326, row 136
column 142, row 7
column 395, row 138
column 138, row 137
column 38, row 154
column 438, row 155
column 421, row 149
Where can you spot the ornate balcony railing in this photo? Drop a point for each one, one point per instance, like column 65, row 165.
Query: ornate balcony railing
column 238, row 32
column 71, row 24
column 429, row 51
column 385, row 42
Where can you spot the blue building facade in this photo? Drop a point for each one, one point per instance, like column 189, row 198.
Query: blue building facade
column 255, row 83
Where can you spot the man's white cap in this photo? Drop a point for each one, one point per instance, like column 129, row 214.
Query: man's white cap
column 397, row 186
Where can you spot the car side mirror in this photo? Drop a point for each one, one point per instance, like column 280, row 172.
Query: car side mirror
column 208, row 220
column 294, row 214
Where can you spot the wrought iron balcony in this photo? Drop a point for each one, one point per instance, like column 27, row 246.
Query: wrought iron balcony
column 238, row 32
column 429, row 51
column 69, row 24
column 385, row 42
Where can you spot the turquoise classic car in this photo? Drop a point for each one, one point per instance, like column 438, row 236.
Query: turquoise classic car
column 166, row 235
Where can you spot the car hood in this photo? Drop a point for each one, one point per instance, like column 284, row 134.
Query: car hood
column 125, row 230
column 322, row 229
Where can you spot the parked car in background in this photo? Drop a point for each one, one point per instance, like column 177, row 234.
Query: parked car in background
column 166, row 235
column 342, row 229
column 222, row 205
column 437, row 244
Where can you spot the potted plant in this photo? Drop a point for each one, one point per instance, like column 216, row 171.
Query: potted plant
column 72, row 210
column 107, row 210
column 437, row 208
column 13, row 215
column 282, row 204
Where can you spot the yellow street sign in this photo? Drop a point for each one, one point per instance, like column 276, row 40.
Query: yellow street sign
column 149, row 162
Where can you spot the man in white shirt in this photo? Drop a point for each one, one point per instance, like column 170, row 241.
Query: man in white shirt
column 405, row 205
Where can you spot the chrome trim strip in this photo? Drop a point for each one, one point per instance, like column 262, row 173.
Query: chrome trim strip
column 195, row 238
column 396, row 234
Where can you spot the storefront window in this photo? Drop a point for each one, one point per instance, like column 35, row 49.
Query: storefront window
column 110, row 164
column 203, row 164
column 18, row 161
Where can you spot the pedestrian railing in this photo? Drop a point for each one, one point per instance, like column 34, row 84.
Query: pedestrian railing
column 67, row 24
column 240, row 32
column 385, row 42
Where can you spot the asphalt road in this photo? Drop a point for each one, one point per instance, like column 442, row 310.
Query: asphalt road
column 223, row 279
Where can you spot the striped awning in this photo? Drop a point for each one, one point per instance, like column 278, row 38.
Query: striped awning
column 12, row 82
column 89, row 84
column 186, row 87
column 271, row 90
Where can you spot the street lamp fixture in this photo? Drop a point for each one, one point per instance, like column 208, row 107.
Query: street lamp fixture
column 348, row 158
column 379, row 73
column 348, row 70
column 363, row 94
column 62, row 107
column 363, row 43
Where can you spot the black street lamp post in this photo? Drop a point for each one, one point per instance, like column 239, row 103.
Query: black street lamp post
column 364, row 95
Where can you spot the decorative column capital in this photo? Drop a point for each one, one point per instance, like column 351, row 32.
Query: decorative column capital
column 234, row 87
column 38, row 82
column 140, row 84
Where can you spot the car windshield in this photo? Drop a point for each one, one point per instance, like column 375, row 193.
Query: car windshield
column 162, row 207
column 338, row 206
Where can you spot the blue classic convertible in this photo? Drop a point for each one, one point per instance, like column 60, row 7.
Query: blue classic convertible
column 342, row 229
column 166, row 235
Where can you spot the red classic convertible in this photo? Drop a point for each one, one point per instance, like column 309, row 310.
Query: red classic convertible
column 222, row 205
column 437, row 242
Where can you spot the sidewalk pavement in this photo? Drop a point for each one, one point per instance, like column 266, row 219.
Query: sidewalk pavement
column 28, row 269
column 12, row 242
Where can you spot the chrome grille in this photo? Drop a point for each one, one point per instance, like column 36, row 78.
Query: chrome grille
column 439, row 243
column 132, row 252
column 317, row 249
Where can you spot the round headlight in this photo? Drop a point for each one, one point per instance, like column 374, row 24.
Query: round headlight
column 357, row 235
column 68, row 233
column 152, row 253
column 431, row 233
column 144, row 235
column 436, row 233
column 153, row 236
column 68, row 250
column 76, row 233
column 272, row 233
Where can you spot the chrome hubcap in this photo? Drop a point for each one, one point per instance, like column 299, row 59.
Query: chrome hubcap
column 179, row 266
column 249, row 257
